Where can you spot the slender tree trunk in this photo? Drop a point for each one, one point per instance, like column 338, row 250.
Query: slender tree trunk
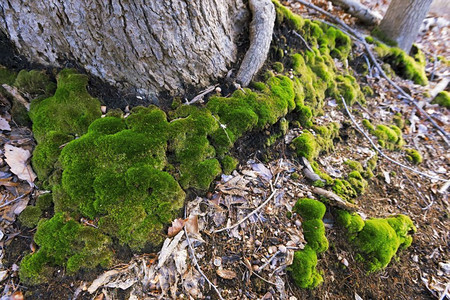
column 143, row 46
column 402, row 21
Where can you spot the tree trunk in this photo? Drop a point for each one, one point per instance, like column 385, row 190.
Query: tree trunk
column 143, row 47
column 402, row 21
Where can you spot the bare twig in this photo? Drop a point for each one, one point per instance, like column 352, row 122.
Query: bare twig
column 201, row 95
column 268, row 261
column 14, row 200
column 194, row 260
column 336, row 200
column 303, row 40
column 381, row 152
column 15, row 93
column 224, row 127
column 249, row 215
column 360, row 38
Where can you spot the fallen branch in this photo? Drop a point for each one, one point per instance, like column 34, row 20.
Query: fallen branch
column 249, row 215
column 359, row 11
column 200, row 96
column 13, row 91
column 441, row 86
column 360, row 38
column 336, row 200
column 381, row 152
column 303, row 40
column 261, row 29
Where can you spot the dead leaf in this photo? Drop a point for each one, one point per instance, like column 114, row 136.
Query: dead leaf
column 17, row 159
column 4, row 125
column 192, row 225
column 102, row 280
column 226, row 274
column 176, row 227
column 17, row 296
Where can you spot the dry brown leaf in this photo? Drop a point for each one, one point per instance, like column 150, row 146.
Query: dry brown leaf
column 226, row 274
column 176, row 227
column 17, row 296
column 192, row 225
column 17, row 159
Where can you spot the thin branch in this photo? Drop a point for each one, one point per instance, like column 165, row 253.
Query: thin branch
column 14, row 200
column 201, row 95
column 15, row 93
column 268, row 262
column 381, row 152
column 249, row 215
column 361, row 39
column 194, row 260
column 303, row 40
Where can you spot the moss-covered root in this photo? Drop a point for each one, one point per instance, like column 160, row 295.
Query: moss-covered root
column 377, row 240
column 303, row 269
column 65, row 242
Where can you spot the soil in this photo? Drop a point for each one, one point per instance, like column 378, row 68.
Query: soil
column 394, row 190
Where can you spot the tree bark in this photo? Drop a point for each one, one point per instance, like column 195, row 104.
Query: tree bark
column 402, row 21
column 140, row 46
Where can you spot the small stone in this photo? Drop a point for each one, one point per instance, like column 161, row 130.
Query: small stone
column 217, row 261
column 258, row 243
column 255, row 267
column 298, row 223
column 103, row 108
column 218, row 90
column 282, row 248
column 415, row 258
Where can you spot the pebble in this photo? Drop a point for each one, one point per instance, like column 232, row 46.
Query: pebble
column 217, row 261
column 282, row 248
column 298, row 223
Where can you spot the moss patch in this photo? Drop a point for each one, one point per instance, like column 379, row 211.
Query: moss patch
column 403, row 65
column 443, row 99
column 413, row 156
column 389, row 137
column 377, row 240
column 30, row 216
column 303, row 269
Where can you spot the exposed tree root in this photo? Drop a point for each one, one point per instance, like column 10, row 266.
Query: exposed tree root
column 359, row 11
column 360, row 38
column 261, row 29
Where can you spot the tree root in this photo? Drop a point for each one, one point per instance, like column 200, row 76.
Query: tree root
column 261, row 29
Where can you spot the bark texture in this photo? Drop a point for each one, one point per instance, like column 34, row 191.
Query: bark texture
column 139, row 45
column 402, row 21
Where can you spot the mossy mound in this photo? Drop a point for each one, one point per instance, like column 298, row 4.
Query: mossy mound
column 64, row 242
column 377, row 240
column 389, row 137
column 443, row 99
column 405, row 66
column 413, row 156
column 34, row 84
column 303, row 269
column 60, row 118
column 30, row 216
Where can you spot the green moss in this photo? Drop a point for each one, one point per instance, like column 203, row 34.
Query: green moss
column 63, row 241
column 295, row 176
column 366, row 123
column 403, row 65
column 229, row 163
column 303, row 269
column 369, row 39
column 278, row 67
column 389, row 137
column 314, row 233
column 376, row 32
column 399, row 121
column 443, row 99
column 367, row 91
column 354, row 165
column 30, row 216
column 358, row 183
column 323, row 175
column 309, row 209
column 34, row 84
column 380, row 239
column 7, row 76
column 413, row 156
column 344, row 189
column 351, row 221
column 306, row 145
column 44, row 201
column 60, row 118
column 284, row 126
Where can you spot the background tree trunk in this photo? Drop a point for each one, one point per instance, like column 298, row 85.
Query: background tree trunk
column 402, row 21
column 144, row 47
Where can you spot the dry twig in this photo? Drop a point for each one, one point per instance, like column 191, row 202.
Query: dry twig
column 201, row 95
column 15, row 93
column 250, row 214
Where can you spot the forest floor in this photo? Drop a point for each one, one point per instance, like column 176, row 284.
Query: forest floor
column 249, row 261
